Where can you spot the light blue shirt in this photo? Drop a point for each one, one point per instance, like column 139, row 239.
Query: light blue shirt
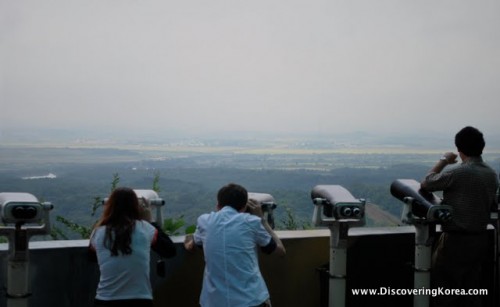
column 232, row 276
column 125, row 276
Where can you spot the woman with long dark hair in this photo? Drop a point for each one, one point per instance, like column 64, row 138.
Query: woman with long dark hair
column 122, row 240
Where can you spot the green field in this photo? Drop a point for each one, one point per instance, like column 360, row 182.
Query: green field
column 189, row 178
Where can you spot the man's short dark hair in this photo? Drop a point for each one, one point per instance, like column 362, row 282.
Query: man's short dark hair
column 233, row 195
column 470, row 141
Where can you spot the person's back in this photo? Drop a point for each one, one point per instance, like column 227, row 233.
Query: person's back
column 470, row 190
column 120, row 243
column 231, row 258
column 230, row 239
column 125, row 276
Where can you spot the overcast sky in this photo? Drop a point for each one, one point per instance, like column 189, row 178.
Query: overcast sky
column 255, row 65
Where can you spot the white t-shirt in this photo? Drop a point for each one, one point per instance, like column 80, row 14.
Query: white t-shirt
column 125, row 276
column 232, row 277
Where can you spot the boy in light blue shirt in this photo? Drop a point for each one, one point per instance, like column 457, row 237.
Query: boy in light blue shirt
column 229, row 238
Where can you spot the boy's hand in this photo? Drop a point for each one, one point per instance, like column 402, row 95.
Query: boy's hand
column 254, row 208
column 189, row 242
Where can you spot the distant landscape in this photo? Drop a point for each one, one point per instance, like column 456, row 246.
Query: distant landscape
column 72, row 175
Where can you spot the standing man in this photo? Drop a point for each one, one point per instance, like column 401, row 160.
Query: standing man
column 229, row 238
column 470, row 189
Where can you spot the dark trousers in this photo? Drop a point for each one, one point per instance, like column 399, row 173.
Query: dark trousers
column 456, row 264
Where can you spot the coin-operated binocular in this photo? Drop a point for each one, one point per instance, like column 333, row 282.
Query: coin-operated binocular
column 424, row 210
column 267, row 204
column 335, row 207
column 149, row 198
column 420, row 206
column 334, row 203
column 22, row 217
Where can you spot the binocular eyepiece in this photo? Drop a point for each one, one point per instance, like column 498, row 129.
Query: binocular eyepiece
column 442, row 215
column 22, row 208
column 350, row 211
column 421, row 205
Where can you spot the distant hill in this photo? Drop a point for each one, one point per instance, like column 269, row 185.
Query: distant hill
column 379, row 217
column 355, row 140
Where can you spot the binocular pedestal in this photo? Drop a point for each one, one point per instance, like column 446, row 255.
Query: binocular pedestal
column 423, row 210
column 338, row 264
column 424, row 237
column 336, row 208
column 17, row 270
column 23, row 216
column 18, row 262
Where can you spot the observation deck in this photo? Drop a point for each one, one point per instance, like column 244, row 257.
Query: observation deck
column 60, row 274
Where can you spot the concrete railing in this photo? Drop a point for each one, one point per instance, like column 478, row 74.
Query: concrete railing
column 377, row 258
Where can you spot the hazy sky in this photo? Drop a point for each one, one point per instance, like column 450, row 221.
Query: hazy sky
column 253, row 65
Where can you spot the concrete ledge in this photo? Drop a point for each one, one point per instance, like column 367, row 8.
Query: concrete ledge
column 61, row 275
column 283, row 234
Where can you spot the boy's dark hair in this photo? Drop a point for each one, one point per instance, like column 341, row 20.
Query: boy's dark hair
column 233, row 195
column 470, row 141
